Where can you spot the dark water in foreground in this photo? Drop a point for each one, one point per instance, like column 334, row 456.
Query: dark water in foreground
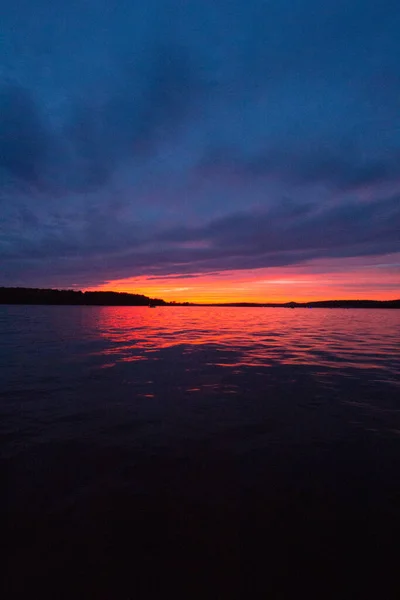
column 216, row 452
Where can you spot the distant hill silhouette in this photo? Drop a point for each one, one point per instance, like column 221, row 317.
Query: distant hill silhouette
column 313, row 304
column 19, row 295
column 67, row 297
column 350, row 304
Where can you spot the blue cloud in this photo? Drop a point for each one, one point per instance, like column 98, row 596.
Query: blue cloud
column 129, row 130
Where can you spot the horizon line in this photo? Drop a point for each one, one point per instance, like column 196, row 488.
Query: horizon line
column 184, row 302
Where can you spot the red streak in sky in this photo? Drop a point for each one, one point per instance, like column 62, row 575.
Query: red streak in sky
column 317, row 280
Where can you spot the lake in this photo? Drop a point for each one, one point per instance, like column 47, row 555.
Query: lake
column 209, row 451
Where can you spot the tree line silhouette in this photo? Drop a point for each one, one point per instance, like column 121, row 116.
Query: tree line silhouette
column 22, row 295
column 19, row 295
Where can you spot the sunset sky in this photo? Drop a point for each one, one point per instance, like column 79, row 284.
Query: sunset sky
column 202, row 150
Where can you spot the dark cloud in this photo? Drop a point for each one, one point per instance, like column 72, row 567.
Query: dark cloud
column 145, row 108
column 342, row 170
column 240, row 241
column 24, row 140
column 175, row 138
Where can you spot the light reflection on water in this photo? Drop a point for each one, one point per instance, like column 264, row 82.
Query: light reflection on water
column 186, row 425
column 331, row 338
column 191, row 371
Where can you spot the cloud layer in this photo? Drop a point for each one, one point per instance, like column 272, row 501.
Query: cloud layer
column 179, row 138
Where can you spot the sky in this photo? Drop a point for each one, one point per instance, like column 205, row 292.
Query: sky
column 201, row 150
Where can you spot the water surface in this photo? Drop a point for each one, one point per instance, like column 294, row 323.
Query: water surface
column 198, row 443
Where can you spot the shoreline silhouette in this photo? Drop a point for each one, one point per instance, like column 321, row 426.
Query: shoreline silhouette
column 44, row 296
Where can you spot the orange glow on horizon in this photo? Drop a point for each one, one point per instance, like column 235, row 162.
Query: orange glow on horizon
column 346, row 279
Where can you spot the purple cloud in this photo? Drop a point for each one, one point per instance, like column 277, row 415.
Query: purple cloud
column 162, row 139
